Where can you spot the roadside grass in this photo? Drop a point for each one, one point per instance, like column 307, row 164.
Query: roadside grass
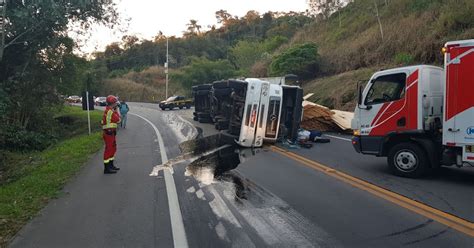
column 39, row 176
column 338, row 91
column 147, row 85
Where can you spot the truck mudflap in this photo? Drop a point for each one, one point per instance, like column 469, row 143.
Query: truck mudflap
column 356, row 143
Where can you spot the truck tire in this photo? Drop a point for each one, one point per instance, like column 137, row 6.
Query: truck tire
column 163, row 109
column 204, row 120
column 408, row 160
column 188, row 106
column 202, row 87
column 222, row 124
column 236, row 84
column 222, row 92
column 201, row 93
column 171, row 107
column 203, row 115
column 220, row 85
column 181, row 107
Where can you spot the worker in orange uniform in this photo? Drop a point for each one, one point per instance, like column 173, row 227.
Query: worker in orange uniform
column 109, row 122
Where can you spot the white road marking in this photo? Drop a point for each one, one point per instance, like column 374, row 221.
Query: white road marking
column 177, row 225
column 336, row 137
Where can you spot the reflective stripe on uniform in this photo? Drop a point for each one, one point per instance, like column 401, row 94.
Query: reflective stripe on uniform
column 110, row 125
column 108, row 160
column 108, row 121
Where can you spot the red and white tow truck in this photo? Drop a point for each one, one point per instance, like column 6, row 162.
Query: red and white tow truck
column 420, row 117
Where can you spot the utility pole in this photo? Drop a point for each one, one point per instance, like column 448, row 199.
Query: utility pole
column 166, row 67
column 378, row 18
column 3, row 16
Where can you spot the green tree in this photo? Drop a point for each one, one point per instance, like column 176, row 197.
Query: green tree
column 193, row 28
column 202, row 71
column 245, row 53
column 302, row 60
column 38, row 55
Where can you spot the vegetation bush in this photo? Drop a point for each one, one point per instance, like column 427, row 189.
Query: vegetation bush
column 19, row 139
column 404, row 59
column 203, row 71
column 302, row 60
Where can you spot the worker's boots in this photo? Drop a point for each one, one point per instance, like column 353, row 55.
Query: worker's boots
column 108, row 169
column 112, row 166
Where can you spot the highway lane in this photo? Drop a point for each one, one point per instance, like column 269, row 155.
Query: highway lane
column 128, row 209
column 382, row 227
column 267, row 200
column 449, row 189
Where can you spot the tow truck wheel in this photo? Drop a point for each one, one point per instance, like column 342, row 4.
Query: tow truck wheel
column 181, row 107
column 407, row 160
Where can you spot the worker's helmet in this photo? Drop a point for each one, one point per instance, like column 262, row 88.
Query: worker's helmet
column 111, row 100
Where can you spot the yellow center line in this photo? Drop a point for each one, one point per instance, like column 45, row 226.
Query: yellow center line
column 449, row 220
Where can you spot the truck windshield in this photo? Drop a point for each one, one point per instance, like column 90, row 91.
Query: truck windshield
column 386, row 89
column 172, row 98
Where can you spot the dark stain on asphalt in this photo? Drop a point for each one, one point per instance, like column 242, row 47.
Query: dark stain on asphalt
column 427, row 238
column 409, row 229
column 221, row 162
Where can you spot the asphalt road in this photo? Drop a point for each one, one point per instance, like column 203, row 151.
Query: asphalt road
column 241, row 198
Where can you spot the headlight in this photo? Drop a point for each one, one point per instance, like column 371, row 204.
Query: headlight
column 356, row 132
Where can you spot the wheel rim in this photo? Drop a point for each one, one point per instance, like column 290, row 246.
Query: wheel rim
column 406, row 161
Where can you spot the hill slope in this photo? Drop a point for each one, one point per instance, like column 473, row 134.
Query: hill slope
column 350, row 41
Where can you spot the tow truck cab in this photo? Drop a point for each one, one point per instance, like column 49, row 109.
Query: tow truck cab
column 405, row 115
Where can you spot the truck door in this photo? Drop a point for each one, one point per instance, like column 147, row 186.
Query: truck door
column 382, row 110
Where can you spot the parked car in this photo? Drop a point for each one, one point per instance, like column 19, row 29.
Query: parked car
column 176, row 101
column 74, row 99
column 100, row 101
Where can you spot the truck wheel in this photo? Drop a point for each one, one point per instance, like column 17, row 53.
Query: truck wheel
column 222, row 92
column 204, row 120
column 188, row 106
column 203, row 115
column 163, row 109
column 220, row 84
column 407, row 160
column 181, row 107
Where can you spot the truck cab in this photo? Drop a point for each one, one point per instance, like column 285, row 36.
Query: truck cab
column 419, row 117
column 261, row 113
column 399, row 106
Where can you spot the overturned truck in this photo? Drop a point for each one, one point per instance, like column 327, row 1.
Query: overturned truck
column 253, row 110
